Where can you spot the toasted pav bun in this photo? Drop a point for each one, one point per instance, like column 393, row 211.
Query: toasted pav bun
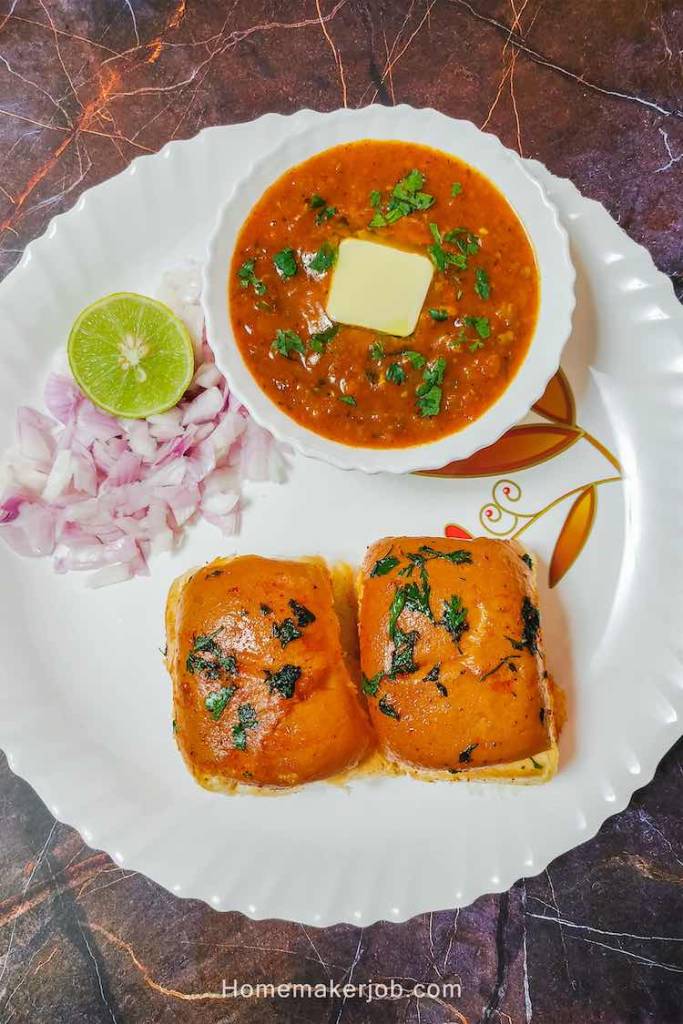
column 452, row 658
column 262, row 688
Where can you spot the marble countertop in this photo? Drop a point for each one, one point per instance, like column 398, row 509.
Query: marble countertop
column 594, row 91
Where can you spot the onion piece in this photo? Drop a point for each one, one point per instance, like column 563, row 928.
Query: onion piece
column 206, row 406
column 35, row 433
column 62, row 397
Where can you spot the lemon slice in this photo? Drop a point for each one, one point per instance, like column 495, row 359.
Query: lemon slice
column 131, row 355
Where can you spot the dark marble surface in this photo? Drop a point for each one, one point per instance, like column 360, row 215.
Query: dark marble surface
column 593, row 88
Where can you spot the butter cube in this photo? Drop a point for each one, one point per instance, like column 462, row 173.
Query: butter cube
column 378, row 287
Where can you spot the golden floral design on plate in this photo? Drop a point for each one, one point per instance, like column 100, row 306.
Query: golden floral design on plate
column 527, row 445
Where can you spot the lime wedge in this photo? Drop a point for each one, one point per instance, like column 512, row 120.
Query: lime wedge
column 131, row 355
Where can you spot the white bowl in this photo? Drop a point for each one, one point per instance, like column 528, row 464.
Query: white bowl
column 504, row 168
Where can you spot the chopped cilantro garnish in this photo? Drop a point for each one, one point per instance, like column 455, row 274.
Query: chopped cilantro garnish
column 429, row 392
column 458, row 557
column 438, row 314
column 416, row 359
column 377, row 354
column 371, row 686
column 403, row 654
column 417, row 599
column 194, row 664
column 207, row 642
column 324, row 259
column 395, row 373
column 466, row 754
column 466, row 241
column 475, row 345
column 482, row 285
column 286, row 632
column 266, row 609
column 321, row 339
column 455, row 618
column 216, row 702
column 303, row 616
column 287, row 342
column 247, row 720
column 348, row 400
column 384, row 565
column 228, row 662
column 284, row 680
column 285, row 262
column 504, row 661
column 433, row 674
column 246, row 715
column 442, row 258
column 433, row 373
column 396, row 607
column 442, row 689
column 456, row 188
column 387, row 708
column 532, row 624
column 526, row 558
column 537, row 766
column 412, row 182
column 248, row 277
column 437, row 255
column 406, row 197
column 481, row 325
column 325, row 212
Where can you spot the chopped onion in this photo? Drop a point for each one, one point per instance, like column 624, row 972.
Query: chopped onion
column 204, row 407
column 9, row 510
column 35, row 434
column 207, row 376
column 62, row 397
column 102, row 494
column 164, row 427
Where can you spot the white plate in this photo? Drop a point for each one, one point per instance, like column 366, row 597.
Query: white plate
column 84, row 701
column 525, row 194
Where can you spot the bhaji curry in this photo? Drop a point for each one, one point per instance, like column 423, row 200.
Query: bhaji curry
column 359, row 386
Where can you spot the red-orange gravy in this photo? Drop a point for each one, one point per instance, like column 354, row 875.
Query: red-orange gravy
column 354, row 385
